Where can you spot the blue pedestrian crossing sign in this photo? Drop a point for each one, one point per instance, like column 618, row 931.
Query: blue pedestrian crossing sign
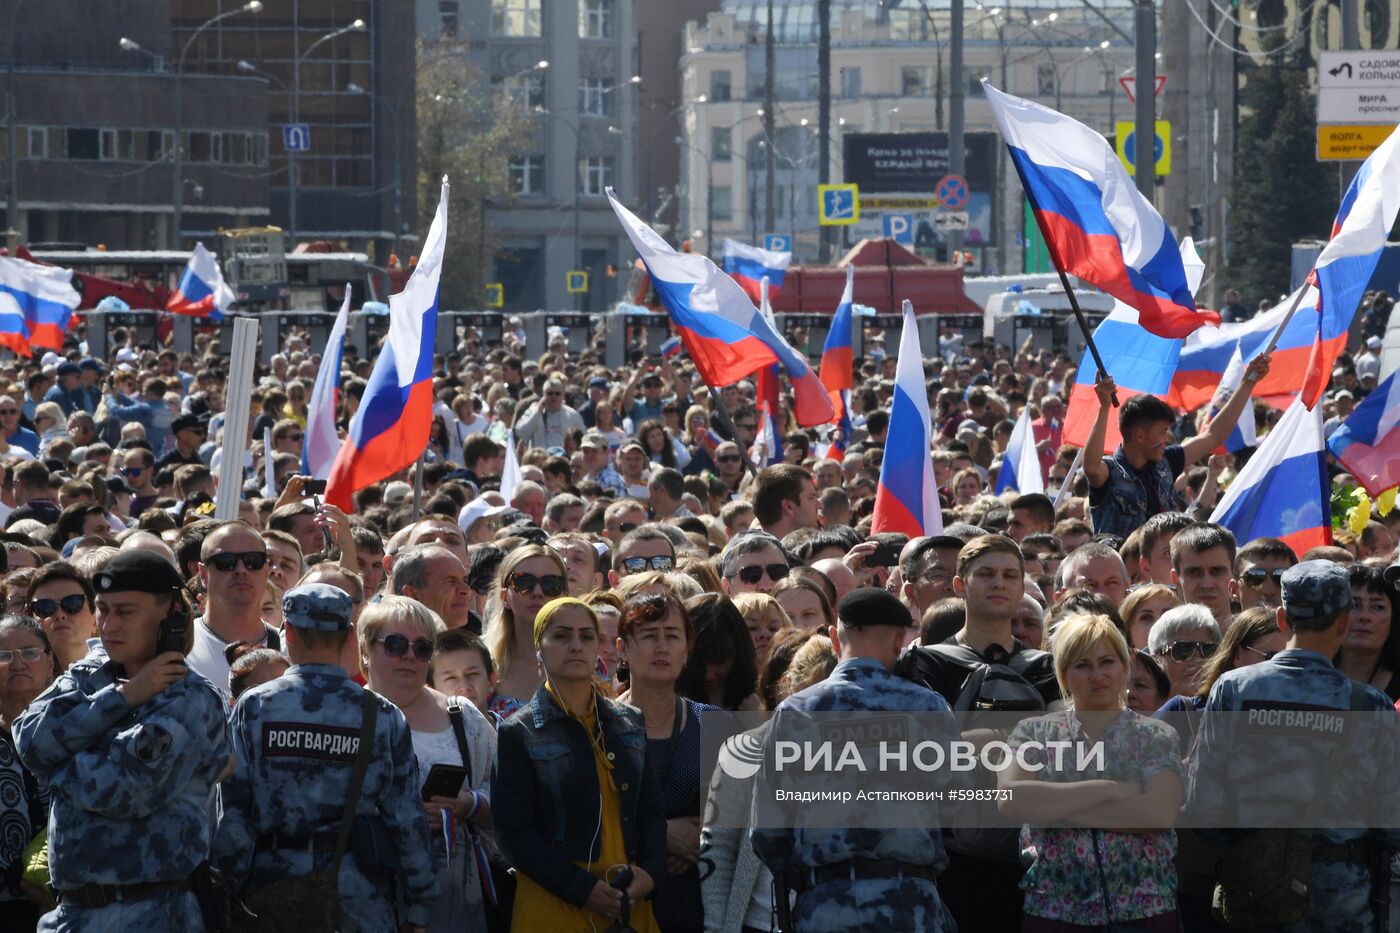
column 576, row 281
column 777, row 242
column 838, row 205
column 296, row 137
column 900, row 228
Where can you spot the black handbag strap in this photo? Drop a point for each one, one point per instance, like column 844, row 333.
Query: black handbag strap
column 459, row 729
column 370, row 705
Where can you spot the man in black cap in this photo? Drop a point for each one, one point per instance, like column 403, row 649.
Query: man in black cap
column 130, row 744
column 849, row 878
column 190, row 431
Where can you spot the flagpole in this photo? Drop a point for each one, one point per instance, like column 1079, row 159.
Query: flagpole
column 1297, row 300
column 418, row 486
column 1083, row 323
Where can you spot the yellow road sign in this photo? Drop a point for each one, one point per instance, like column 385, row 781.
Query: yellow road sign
column 1349, row 143
column 576, row 281
column 495, row 295
column 838, row 205
column 1127, row 145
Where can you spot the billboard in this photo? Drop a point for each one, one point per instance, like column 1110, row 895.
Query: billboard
column 897, row 173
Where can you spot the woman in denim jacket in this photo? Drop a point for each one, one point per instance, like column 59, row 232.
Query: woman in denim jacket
column 575, row 803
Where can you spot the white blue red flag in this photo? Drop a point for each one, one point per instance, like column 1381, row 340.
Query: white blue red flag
column 749, row 265
column 390, row 429
column 838, row 366
column 768, row 441
column 36, row 305
column 907, row 499
column 1244, row 433
column 726, row 336
column 671, row 347
column 322, row 442
column 1096, row 224
column 1368, row 442
column 1020, row 464
column 1282, row 492
column 202, row 291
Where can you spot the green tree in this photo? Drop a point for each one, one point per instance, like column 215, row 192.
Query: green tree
column 1281, row 190
column 468, row 131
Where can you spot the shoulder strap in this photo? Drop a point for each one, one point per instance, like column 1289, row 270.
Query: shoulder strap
column 370, row 704
column 459, row 729
column 1358, row 697
column 960, row 654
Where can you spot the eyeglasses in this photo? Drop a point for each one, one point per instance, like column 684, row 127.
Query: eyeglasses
column 727, row 458
column 639, row 564
column 70, row 604
column 1254, row 577
column 9, row 411
column 1266, row 655
column 1182, row 650
column 752, row 574
column 551, row 584
column 292, row 437
column 396, row 646
column 225, row 563
column 27, row 655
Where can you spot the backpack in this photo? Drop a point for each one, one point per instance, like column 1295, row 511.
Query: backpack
column 994, row 687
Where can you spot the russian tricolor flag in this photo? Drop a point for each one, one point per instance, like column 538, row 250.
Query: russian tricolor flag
column 1368, row 444
column 202, row 291
column 391, row 427
column 322, row 443
column 838, row 366
column 1020, row 464
column 907, row 499
column 1096, row 224
column 749, row 265
column 1244, row 433
column 725, row 335
column 768, row 441
column 36, row 305
column 1282, row 492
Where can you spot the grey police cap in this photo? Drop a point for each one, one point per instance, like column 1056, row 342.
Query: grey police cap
column 318, row 607
column 1315, row 589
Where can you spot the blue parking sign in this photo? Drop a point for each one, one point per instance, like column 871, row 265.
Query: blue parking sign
column 777, row 243
column 900, row 228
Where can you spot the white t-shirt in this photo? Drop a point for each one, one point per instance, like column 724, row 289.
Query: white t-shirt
column 207, row 658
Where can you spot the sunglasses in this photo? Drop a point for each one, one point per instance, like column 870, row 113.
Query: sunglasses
column 225, row 563
column 1255, row 576
column 639, row 564
column 43, row 608
column 133, row 471
column 754, row 573
column 292, row 437
column 27, row 655
column 1182, row 650
column 1266, row 655
column 9, row 411
column 396, row 646
column 626, row 527
column 747, row 427
column 728, row 458
column 551, row 584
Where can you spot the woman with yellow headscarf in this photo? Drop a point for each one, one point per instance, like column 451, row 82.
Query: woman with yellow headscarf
column 575, row 804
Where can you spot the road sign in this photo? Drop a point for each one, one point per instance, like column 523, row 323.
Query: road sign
column 576, row 281
column 1130, row 86
column 838, row 205
column 952, row 220
column 1358, row 87
column 296, row 137
column 952, row 192
column 1349, row 143
column 1162, row 145
column 495, row 295
column 900, row 228
column 777, row 242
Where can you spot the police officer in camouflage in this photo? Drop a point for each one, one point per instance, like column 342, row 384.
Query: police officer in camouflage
column 130, row 746
column 857, row 878
column 282, row 807
column 1239, row 780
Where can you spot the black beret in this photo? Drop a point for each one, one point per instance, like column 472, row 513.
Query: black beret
column 872, row 606
column 137, row 571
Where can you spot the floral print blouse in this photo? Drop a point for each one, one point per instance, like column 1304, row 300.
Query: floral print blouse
column 1063, row 880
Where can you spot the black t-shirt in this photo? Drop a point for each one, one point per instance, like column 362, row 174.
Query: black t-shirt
column 945, row 676
column 39, row 509
column 173, row 457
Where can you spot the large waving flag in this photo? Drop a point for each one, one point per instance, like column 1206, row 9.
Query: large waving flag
column 726, row 336
column 391, row 427
column 1095, row 222
column 1368, row 442
column 322, row 443
column 1244, row 433
column 36, row 305
column 202, row 291
column 838, row 366
column 1020, row 464
column 1282, row 492
column 749, row 265
column 907, row 499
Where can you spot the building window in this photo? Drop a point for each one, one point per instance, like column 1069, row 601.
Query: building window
column 722, row 202
column 594, row 95
column 1046, row 80
column 721, row 144
column 850, row 82
column 594, row 19
column 447, row 10
column 37, row 137
column 916, row 81
column 719, row 85
column 519, row 18
column 596, row 174
column 525, row 91
column 83, row 143
column 527, row 174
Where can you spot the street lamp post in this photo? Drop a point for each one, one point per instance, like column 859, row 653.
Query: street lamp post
column 178, row 181
column 357, row 26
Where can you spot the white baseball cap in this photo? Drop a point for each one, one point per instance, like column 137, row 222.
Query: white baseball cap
column 477, row 509
column 1373, row 342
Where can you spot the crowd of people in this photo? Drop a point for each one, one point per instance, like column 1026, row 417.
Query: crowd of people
column 465, row 708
